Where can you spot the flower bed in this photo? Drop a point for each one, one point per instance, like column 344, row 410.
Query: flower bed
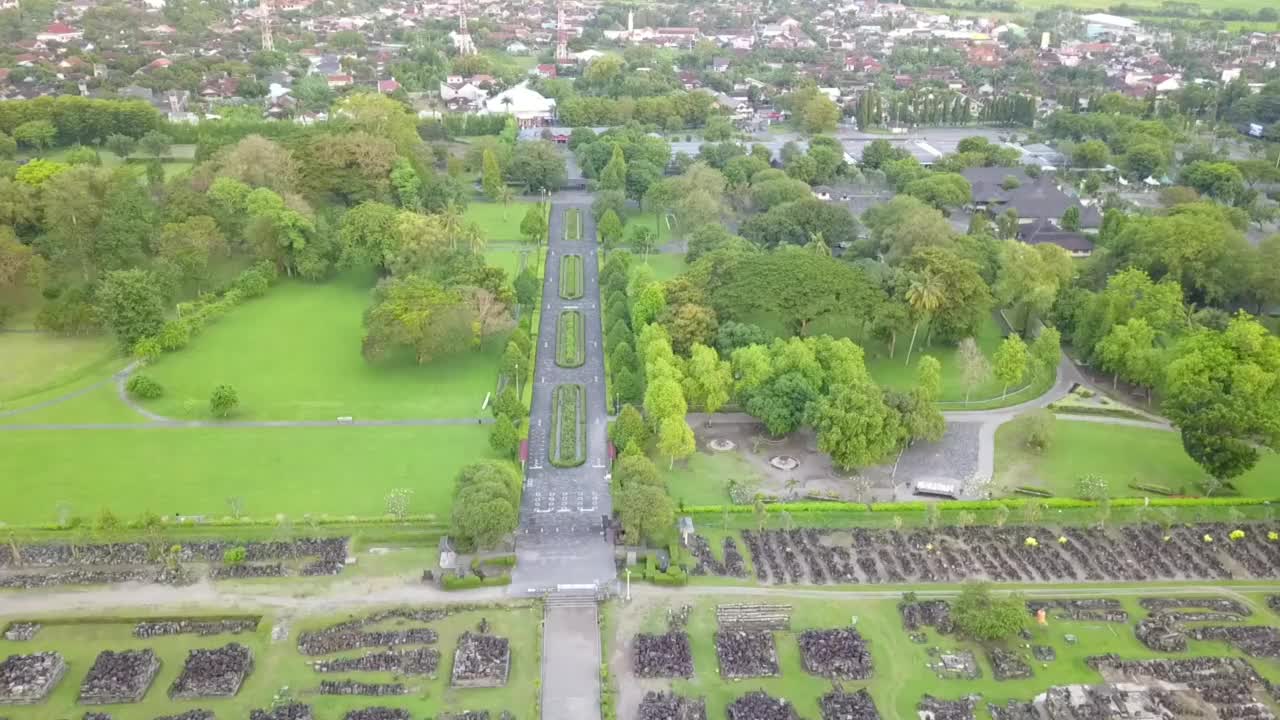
column 570, row 340
column 571, row 277
column 573, row 224
column 568, row 446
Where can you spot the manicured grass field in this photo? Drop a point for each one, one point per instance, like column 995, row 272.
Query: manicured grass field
column 295, row 355
column 338, row 471
column 649, row 218
column 571, row 277
column 508, row 260
column 701, row 480
column 570, row 340
column 900, row 673
column 499, row 223
column 99, row 403
column 1120, row 455
column 279, row 664
column 33, row 365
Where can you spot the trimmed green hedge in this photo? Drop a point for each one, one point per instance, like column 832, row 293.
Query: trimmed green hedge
column 469, row 582
column 568, row 440
column 571, row 277
column 1068, row 409
column 571, row 340
column 1052, row 503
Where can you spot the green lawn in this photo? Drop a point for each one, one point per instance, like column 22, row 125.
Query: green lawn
column 295, row 355
column 666, row 265
column 701, row 480
column 279, row 664
column 98, row 404
column 1120, row 455
column 36, row 365
column 181, row 158
column 649, row 218
column 499, row 223
column 338, row 471
column 900, row 673
column 508, row 260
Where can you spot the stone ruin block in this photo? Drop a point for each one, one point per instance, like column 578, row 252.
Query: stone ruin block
column 481, row 661
column 119, row 677
column 215, row 672
column 28, row 679
column 744, row 653
column 838, row 654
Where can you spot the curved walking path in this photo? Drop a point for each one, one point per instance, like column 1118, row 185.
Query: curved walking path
column 119, row 377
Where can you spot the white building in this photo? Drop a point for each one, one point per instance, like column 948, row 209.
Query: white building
column 529, row 107
column 1105, row 24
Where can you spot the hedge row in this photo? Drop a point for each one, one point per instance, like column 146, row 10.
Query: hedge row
column 194, row 316
column 468, row 582
column 977, row 505
column 573, row 224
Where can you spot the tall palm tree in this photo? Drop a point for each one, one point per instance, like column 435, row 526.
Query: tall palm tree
column 474, row 238
column 451, row 223
column 818, row 245
column 925, row 296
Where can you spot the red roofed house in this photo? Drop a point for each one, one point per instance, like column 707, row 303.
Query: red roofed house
column 337, row 81
column 59, row 32
column 388, row 86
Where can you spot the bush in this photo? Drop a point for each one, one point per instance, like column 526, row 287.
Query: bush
column 235, row 556
column 144, row 387
column 252, row 283
column 223, row 401
column 468, row 582
column 174, row 335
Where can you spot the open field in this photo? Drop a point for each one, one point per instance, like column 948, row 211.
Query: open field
column 1120, row 455
column 901, row 675
column 649, row 218
column 280, row 664
column 499, row 223
column 666, row 265
column 295, row 355
column 332, row 470
column 38, row 363
column 701, row 479
column 180, row 159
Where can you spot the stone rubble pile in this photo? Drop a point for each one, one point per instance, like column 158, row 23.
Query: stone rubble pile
column 759, row 705
column 163, row 628
column 352, row 687
column 667, row 656
column 481, row 660
column 669, row 706
column 28, row 679
column 377, row 713
column 840, row 705
column 217, row 672
column 839, row 654
column 21, row 631
column 119, row 677
column 197, row 714
column 1090, row 610
column 1008, row 665
column 290, row 711
column 746, row 653
column 419, row 661
column 931, row 708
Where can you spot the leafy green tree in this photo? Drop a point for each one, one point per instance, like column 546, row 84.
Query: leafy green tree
column 819, row 114
column 534, row 225
column 709, row 380
column 675, row 439
column 855, row 426
column 644, row 511
column 1030, row 278
column 941, row 190
column 664, row 399
column 1221, row 181
column 486, row 499
column 1222, row 390
column 416, row 312
column 504, row 438
column 1143, row 160
column 981, row 616
column 155, row 143
column 538, row 166
column 1130, row 350
column 628, row 430
column 614, row 174
column 642, row 240
column 491, row 176
column 781, row 403
column 36, row 134
column 223, row 401
column 975, row 369
column 1010, row 362
column 121, row 145
column 641, row 175
column 1046, row 349
column 610, row 229
column 131, row 304
column 1071, row 219
column 1090, row 154
column 798, row 288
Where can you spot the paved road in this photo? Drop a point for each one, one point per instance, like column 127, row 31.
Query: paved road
column 185, row 425
column 561, row 541
column 571, row 657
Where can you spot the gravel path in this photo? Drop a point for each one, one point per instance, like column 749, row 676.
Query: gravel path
column 119, row 377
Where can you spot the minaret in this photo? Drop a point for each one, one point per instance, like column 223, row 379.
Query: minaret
column 466, row 46
column 562, row 36
column 264, row 10
column 631, row 24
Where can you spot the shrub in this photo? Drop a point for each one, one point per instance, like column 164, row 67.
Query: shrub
column 144, row 387
column 234, row 557
column 252, row 283
column 174, row 335
column 223, row 401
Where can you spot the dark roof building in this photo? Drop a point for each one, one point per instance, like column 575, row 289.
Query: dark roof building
column 1032, row 198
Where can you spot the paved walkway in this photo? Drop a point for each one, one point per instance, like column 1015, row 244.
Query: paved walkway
column 561, row 548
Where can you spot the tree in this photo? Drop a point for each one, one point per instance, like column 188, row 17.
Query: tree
column 644, row 510
column 641, row 175
column 1092, row 487
column 189, row 246
column 609, row 228
column 781, row 403
column 924, row 296
column 36, row 134
column 533, row 227
column 258, row 162
column 855, row 426
column 416, row 312
column 1093, row 154
column 1221, row 181
column 1071, row 219
column 504, row 438
column 819, row 114
column 675, row 439
column 223, row 401
column 1030, row 277
column 980, row 616
column 155, row 143
column 628, row 430
column 974, row 367
column 642, row 240
column 486, row 499
column 1130, row 350
column 1036, row 429
column 708, row 379
column 1010, row 362
column 664, row 399
column 1143, row 160
column 19, row 263
column 1046, row 349
column 491, row 176
column 121, row 145
column 795, row 287
column 1222, row 390
column 941, row 190
column 614, row 174
column 131, row 305
column 539, row 166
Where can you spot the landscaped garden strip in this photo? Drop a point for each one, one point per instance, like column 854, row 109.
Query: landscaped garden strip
column 570, row 340
column 571, row 277
column 568, row 449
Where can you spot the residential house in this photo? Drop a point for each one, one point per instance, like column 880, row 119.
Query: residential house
column 529, row 107
column 59, row 33
column 1039, row 204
